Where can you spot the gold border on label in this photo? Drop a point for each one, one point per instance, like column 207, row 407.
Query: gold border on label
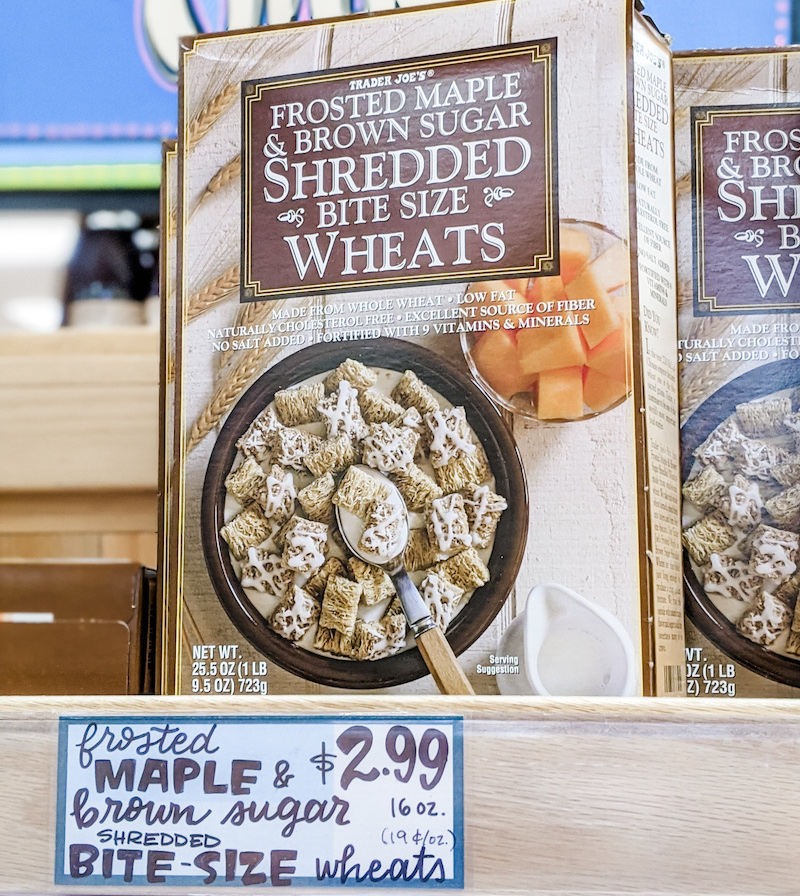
column 540, row 52
column 706, row 303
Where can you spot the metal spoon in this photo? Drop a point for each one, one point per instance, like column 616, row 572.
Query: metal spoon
column 430, row 639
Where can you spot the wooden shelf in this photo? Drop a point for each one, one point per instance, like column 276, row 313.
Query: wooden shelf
column 574, row 796
column 79, row 468
column 79, row 410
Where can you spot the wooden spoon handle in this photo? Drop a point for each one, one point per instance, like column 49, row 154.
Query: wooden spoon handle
column 442, row 662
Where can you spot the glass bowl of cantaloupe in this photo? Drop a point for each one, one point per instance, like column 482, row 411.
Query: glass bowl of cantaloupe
column 557, row 348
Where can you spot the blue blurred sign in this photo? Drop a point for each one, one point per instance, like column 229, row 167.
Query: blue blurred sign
column 719, row 24
column 87, row 87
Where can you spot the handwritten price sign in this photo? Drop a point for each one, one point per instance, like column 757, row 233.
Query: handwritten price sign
column 312, row 802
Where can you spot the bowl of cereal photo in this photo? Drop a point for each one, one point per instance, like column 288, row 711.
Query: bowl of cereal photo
column 557, row 348
column 293, row 451
column 740, row 470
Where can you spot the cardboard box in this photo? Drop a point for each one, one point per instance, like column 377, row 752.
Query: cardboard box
column 738, row 187
column 449, row 197
column 76, row 627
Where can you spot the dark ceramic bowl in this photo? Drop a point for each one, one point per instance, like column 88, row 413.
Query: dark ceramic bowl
column 455, row 385
column 700, row 609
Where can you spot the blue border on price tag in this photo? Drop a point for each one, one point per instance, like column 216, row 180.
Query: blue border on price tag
column 404, row 753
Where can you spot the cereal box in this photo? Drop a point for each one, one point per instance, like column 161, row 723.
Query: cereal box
column 425, row 386
column 738, row 197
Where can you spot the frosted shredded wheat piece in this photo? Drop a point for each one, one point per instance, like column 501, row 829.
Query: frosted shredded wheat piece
column 774, row 553
column 277, row 494
column 764, row 417
column 465, row 570
column 342, row 413
column 247, row 529
column 332, row 456
column 292, row 446
column 340, row 605
column 463, row 472
column 447, row 523
column 295, row 614
column 788, row 592
column 705, row 489
column 420, row 553
column 416, row 487
column 450, row 437
column 333, row 566
column 333, row 641
column 376, row 640
column 316, row 499
column 353, row 372
column 377, row 408
column 243, row 482
column 788, row 472
column 711, row 535
column 389, row 449
column 305, row 543
column 375, row 583
column 384, row 522
column 412, row 392
column 265, row 571
column 358, row 491
column 484, row 509
column 766, row 620
column 731, row 577
column 260, row 436
column 299, row 404
column 756, row 459
column 741, row 503
column 784, row 508
column 442, row 598
column 718, row 448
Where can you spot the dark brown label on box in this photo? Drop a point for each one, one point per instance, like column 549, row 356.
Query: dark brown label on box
column 746, row 208
column 426, row 170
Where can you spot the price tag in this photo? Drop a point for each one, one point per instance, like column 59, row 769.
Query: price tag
column 312, row 802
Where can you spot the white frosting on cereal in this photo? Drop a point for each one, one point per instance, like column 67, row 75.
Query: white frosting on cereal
column 342, row 412
column 450, row 435
column 265, row 572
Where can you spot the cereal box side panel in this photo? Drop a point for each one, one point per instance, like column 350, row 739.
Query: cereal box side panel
column 655, row 324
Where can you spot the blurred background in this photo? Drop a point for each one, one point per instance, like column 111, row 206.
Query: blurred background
column 88, row 94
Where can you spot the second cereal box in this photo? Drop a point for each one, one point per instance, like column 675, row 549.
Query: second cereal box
column 738, row 168
column 423, row 385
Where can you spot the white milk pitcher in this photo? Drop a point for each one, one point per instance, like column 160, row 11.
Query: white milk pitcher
column 567, row 646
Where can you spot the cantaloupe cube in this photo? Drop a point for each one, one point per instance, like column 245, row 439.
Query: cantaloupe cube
column 548, row 348
column 546, row 289
column 603, row 316
column 505, row 295
column 612, row 267
column 621, row 300
column 560, row 394
column 574, row 250
column 610, row 357
column 496, row 357
column 600, row 392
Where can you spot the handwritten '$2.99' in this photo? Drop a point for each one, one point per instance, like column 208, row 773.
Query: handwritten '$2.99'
column 401, row 747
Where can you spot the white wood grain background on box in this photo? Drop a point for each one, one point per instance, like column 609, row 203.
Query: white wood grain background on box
column 697, row 798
